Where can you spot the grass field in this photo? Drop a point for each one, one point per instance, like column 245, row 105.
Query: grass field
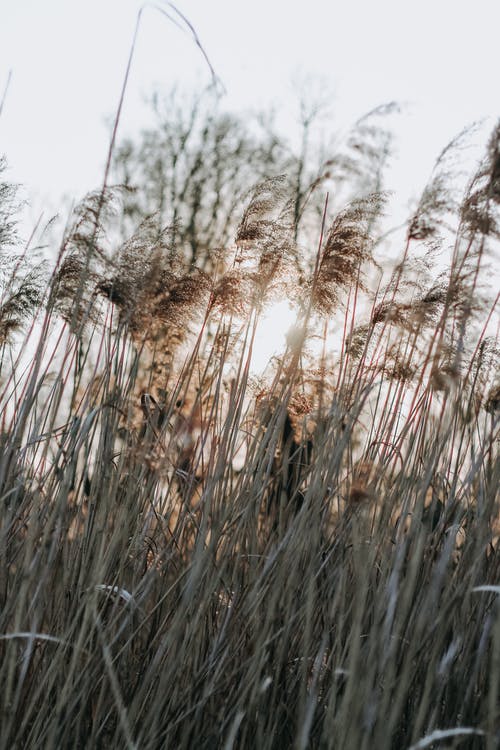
column 196, row 555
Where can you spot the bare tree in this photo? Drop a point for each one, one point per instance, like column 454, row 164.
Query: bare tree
column 192, row 171
column 196, row 166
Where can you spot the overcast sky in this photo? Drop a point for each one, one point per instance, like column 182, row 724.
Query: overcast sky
column 68, row 60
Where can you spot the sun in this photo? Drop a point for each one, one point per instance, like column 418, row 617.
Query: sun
column 271, row 333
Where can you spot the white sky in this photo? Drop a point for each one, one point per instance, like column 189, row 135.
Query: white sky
column 68, row 60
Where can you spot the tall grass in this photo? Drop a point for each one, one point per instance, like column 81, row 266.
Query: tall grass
column 195, row 557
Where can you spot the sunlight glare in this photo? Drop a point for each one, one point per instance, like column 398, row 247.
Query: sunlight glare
column 270, row 336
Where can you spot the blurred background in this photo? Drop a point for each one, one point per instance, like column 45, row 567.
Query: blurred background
column 63, row 63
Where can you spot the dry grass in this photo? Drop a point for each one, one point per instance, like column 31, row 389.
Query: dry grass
column 193, row 559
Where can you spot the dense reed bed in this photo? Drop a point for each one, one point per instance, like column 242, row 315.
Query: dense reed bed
column 195, row 555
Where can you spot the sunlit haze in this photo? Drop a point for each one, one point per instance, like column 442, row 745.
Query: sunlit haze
column 271, row 333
